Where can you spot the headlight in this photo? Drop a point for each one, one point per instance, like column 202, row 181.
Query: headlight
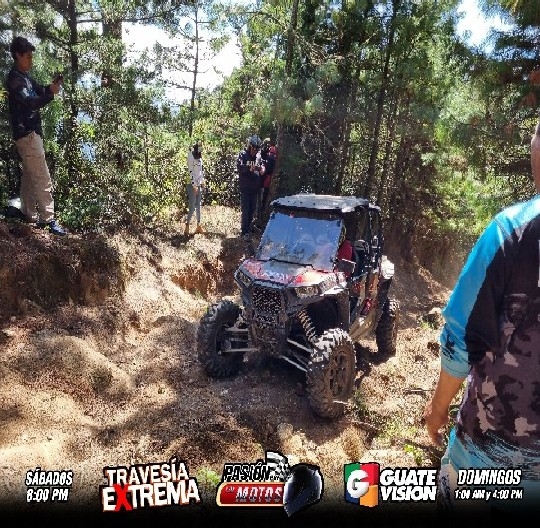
column 306, row 291
column 243, row 278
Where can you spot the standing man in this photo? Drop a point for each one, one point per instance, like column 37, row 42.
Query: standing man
column 249, row 182
column 194, row 187
column 25, row 98
column 491, row 339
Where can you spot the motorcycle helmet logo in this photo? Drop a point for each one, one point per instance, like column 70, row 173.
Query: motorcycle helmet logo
column 303, row 487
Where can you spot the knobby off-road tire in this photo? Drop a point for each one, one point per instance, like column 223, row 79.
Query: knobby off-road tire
column 211, row 339
column 331, row 372
column 386, row 332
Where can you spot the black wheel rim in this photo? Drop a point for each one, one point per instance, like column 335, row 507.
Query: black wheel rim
column 221, row 337
column 339, row 369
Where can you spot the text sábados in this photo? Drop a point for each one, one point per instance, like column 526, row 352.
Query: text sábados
column 39, row 477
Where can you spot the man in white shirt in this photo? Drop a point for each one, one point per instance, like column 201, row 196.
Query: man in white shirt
column 194, row 185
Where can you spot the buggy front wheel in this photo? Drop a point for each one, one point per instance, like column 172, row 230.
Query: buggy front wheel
column 217, row 339
column 331, row 372
column 386, row 332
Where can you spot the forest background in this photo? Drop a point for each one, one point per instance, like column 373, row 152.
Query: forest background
column 377, row 98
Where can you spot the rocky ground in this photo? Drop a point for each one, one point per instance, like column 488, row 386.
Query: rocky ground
column 98, row 367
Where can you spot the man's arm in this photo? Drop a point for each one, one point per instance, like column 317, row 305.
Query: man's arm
column 241, row 165
column 436, row 411
column 270, row 164
column 190, row 163
column 40, row 89
column 19, row 92
column 471, row 323
column 535, row 154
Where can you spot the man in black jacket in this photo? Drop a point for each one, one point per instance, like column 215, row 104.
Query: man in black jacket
column 249, row 182
column 25, row 98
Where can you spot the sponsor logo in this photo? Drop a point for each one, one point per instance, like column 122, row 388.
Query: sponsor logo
column 272, row 482
column 148, row 485
column 362, row 484
column 366, row 484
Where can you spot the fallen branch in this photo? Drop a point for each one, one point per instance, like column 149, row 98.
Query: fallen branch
column 366, row 425
column 416, row 391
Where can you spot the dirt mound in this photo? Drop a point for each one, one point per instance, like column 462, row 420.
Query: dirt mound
column 39, row 273
column 99, row 367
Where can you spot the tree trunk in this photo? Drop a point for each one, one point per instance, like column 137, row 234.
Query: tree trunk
column 195, row 73
column 291, row 33
column 382, row 194
column 112, row 29
column 370, row 176
column 274, row 184
column 72, row 124
column 346, row 135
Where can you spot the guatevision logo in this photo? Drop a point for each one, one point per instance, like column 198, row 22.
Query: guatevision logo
column 366, row 483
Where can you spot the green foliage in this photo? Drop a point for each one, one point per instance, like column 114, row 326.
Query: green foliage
column 416, row 452
column 208, row 478
column 368, row 97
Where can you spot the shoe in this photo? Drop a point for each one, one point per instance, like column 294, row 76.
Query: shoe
column 53, row 226
column 200, row 229
column 186, row 230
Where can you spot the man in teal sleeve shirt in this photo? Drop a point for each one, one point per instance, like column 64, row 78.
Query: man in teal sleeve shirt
column 491, row 340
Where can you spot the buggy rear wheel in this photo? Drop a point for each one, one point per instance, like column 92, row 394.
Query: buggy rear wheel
column 216, row 343
column 386, row 332
column 330, row 373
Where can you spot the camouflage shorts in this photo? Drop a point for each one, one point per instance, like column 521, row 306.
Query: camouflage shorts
column 459, row 456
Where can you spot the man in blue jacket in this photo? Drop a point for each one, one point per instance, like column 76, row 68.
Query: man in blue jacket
column 491, row 339
column 25, row 98
column 249, row 182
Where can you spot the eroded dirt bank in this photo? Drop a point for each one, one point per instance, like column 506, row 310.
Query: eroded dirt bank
column 98, row 366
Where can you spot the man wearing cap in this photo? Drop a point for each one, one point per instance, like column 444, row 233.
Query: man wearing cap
column 249, row 182
column 25, row 98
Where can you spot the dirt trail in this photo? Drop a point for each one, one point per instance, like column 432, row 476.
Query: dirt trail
column 109, row 376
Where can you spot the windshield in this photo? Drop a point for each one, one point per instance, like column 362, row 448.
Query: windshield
column 299, row 239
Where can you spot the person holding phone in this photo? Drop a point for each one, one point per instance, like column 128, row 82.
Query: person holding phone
column 25, row 99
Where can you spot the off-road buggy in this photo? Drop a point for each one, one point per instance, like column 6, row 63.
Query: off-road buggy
column 302, row 304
